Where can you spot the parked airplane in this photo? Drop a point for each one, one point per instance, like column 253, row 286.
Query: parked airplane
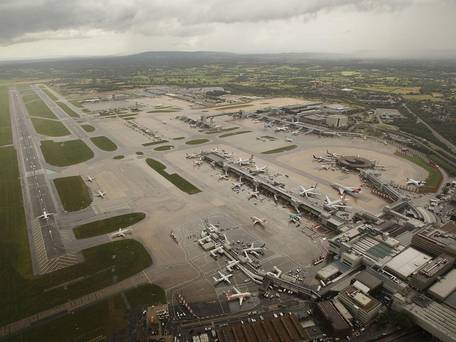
column 90, row 179
column 238, row 295
column 257, row 220
column 308, row 192
column 349, row 190
column 254, row 250
column 223, row 177
column 101, row 194
column 231, row 264
column 121, row 233
column 337, row 204
column 254, row 194
column 322, row 159
column 281, row 129
column 418, row 183
column 197, row 163
column 237, row 186
column 223, row 277
column 295, row 218
column 289, row 140
column 215, row 251
column 257, row 169
column 332, row 155
column 45, row 215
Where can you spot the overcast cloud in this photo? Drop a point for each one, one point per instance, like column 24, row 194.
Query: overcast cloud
column 37, row 28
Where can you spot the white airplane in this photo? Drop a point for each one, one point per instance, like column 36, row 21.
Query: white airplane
column 231, row 264
column 349, row 190
column 192, row 155
column 308, row 192
column 121, row 233
column 237, row 186
column 101, row 194
column 325, row 166
column 238, row 295
column 254, row 194
column 223, row 277
column 242, row 162
column 223, row 177
column 332, row 155
column 215, row 251
column 289, row 140
column 281, row 129
column 418, row 183
column 337, row 204
column 90, row 179
column 254, row 250
column 259, row 169
column 296, row 132
column 257, row 220
column 322, row 159
column 45, row 215
column 197, row 163
column 247, row 257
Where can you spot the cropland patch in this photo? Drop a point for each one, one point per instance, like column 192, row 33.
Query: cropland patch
column 104, row 143
column 51, row 128
column 65, row 153
column 197, row 141
column 181, row 183
column 107, row 225
column 280, row 149
column 73, row 193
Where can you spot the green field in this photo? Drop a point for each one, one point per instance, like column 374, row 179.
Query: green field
column 179, row 138
column 101, row 319
column 164, row 148
column 118, row 157
column 197, row 141
column 280, row 149
column 88, row 128
column 107, row 225
column 434, row 177
column 68, row 110
column 5, row 121
column 73, row 192
column 104, row 143
column 181, row 183
column 65, row 153
column 214, row 131
column 155, row 143
column 51, row 128
column 233, row 133
column 36, row 107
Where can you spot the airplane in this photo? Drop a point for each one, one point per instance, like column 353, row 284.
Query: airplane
column 257, row 220
column 231, row 264
column 323, row 159
column 238, row 295
column 237, row 186
column 223, row 277
column 253, row 250
column 281, row 129
column 332, row 155
column 257, row 169
column 268, row 125
column 216, row 250
column 349, row 190
column 191, row 155
column 197, row 163
column 289, row 140
column 254, row 194
column 337, row 204
column 101, row 194
column 296, row 132
column 121, row 233
column 223, row 177
column 295, row 218
column 325, row 167
column 90, row 179
column 418, row 183
column 308, row 192
column 45, row 215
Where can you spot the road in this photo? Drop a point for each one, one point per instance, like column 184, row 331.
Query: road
column 442, row 139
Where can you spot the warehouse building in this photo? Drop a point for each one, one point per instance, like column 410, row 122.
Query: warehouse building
column 444, row 287
column 430, row 272
column 407, row 263
column 435, row 242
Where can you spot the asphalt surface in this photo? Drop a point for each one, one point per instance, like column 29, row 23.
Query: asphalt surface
column 38, row 193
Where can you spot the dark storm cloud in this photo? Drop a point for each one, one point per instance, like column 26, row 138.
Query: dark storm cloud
column 24, row 20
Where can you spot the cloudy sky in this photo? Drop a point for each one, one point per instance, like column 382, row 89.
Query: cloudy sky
column 383, row 28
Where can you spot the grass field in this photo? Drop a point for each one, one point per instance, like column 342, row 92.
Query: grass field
column 181, row 183
column 100, row 319
column 48, row 92
column 73, row 193
column 118, row 157
column 65, row 153
column 5, row 121
column 434, row 177
column 88, row 128
column 197, row 141
column 179, row 138
column 280, row 149
column 423, row 97
column 164, row 148
column 233, row 133
column 107, row 225
column 214, row 131
column 391, row 90
column 155, row 143
column 36, row 107
column 104, row 143
column 68, row 110
column 51, row 128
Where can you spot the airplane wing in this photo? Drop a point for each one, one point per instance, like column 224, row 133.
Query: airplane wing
column 341, row 191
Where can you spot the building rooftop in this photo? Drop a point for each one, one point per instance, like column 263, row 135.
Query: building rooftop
column 444, row 287
column 360, row 299
column 369, row 280
column 407, row 262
